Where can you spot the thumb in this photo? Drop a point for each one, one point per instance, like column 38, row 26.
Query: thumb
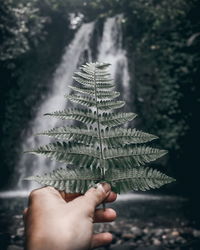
column 95, row 196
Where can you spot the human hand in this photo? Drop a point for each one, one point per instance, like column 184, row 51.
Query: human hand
column 58, row 221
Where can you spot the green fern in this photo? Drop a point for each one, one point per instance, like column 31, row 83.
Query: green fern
column 98, row 152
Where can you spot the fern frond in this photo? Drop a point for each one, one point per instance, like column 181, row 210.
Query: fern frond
column 108, row 95
column 132, row 156
column 88, row 117
column 113, row 138
column 85, row 116
column 80, row 135
column 121, row 180
column 90, row 102
column 138, row 179
column 90, row 84
column 92, row 77
column 86, row 157
column 121, row 136
column 69, row 180
column 100, row 152
column 111, row 120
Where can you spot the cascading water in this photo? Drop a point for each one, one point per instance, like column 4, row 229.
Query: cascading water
column 110, row 50
column 54, row 101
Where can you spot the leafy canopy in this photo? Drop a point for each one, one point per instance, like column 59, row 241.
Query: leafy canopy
column 100, row 150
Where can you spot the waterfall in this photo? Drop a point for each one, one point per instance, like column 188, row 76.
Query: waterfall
column 72, row 58
column 109, row 50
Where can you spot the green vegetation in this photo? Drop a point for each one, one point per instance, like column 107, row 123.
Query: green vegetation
column 99, row 152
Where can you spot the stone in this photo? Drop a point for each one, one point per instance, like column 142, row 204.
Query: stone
column 156, row 242
column 159, row 232
column 136, row 231
column 20, row 231
column 196, row 233
column 145, row 230
column 175, row 233
column 128, row 236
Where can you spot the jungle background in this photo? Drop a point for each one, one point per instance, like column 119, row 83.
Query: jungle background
column 162, row 40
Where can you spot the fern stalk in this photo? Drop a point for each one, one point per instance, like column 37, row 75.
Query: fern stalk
column 99, row 126
column 99, row 133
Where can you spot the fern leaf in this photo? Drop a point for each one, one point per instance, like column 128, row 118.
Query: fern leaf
column 69, row 180
column 83, row 100
column 86, row 157
column 111, row 120
column 90, row 102
column 100, row 93
column 138, row 179
column 85, row 116
column 121, row 180
column 80, row 135
column 132, row 156
column 113, row 138
column 102, row 79
column 121, row 136
column 90, row 83
column 109, row 105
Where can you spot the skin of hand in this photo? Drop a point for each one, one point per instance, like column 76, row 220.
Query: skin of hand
column 58, row 221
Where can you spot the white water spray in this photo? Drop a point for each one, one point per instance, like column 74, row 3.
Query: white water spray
column 53, row 102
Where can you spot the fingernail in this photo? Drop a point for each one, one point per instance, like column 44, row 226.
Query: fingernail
column 104, row 186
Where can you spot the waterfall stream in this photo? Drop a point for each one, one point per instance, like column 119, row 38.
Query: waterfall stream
column 77, row 52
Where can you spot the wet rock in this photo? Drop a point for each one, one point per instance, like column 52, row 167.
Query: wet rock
column 175, row 233
column 145, row 230
column 180, row 240
column 156, row 242
column 128, row 236
column 20, row 231
column 196, row 233
column 136, row 231
column 18, row 216
column 159, row 232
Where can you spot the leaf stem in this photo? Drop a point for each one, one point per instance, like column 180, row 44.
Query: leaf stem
column 98, row 123
column 99, row 132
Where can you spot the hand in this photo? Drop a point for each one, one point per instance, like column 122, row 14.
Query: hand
column 58, row 221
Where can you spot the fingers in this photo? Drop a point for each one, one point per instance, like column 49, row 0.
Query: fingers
column 111, row 197
column 95, row 196
column 69, row 197
column 107, row 215
column 101, row 239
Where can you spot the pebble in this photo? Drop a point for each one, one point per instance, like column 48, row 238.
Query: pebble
column 196, row 233
column 128, row 236
column 175, row 233
column 20, row 231
column 159, row 232
column 136, row 231
column 156, row 242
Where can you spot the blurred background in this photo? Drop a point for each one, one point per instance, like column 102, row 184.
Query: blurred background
column 153, row 46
